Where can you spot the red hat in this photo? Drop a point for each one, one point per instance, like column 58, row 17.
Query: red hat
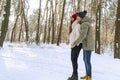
column 74, row 16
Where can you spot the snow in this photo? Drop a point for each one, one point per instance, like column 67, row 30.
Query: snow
column 51, row 62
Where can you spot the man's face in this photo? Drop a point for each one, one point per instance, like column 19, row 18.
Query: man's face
column 78, row 10
column 79, row 19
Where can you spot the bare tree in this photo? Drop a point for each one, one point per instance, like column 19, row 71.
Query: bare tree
column 1, row 6
column 5, row 22
column 84, row 4
column 38, row 25
column 91, row 9
column 49, row 27
column 106, row 23
column 79, row 4
column 25, row 14
column 117, row 34
column 45, row 27
column 98, row 24
column 21, row 28
column 18, row 12
column 53, row 34
column 59, row 36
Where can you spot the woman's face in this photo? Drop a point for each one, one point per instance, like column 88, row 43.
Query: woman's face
column 79, row 18
column 72, row 19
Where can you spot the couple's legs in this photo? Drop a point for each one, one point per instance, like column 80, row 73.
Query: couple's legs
column 87, row 61
column 74, row 58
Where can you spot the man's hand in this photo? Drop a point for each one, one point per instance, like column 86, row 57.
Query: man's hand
column 72, row 45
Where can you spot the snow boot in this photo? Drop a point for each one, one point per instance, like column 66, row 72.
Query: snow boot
column 89, row 78
column 73, row 77
column 84, row 77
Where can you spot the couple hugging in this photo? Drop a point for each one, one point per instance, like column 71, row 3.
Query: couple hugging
column 81, row 37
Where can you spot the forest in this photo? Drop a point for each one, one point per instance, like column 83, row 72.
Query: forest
column 51, row 23
column 53, row 40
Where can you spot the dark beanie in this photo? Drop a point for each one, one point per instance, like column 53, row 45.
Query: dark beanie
column 82, row 14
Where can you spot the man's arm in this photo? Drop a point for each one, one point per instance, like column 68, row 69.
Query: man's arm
column 83, row 33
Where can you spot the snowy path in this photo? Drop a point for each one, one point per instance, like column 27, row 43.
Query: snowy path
column 50, row 62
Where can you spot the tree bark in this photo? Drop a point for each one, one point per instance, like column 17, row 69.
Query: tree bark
column 26, row 25
column 78, row 4
column 98, row 24
column 91, row 9
column 85, row 5
column 46, row 23
column 20, row 29
column 59, row 36
column 49, row 28
column 5, row 22
column 53, row 34
column 38, row 26
column 117, row 34
column 13, row 30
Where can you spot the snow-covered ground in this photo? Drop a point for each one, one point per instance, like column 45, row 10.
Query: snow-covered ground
column 50, row 62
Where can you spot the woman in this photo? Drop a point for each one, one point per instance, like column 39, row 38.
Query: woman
column 75, row 51
column 87, row 39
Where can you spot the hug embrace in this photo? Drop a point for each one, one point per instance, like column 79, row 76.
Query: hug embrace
column 81, row 37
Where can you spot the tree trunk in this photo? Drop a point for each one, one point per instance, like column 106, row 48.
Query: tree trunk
column 5, row 22
column 26, row 25
column 106, row 26
column 59, row 36
column 98, row 24
column 38, row 26
column 53, row 34
column 13, row 30
column 1, row 7
column 117, row 34
column 46, row 22
column 84, row 4
column 49, row 28
column 20, row 29
column 78, row 4
column 42, row 20
column 91, row 9
column 55, row 21
column 74, row 5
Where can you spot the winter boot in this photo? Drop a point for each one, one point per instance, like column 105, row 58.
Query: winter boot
column 73, row 77
column 84, row 77
column 89, row 78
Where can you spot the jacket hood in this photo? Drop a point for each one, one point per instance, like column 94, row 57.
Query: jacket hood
column 86, row 19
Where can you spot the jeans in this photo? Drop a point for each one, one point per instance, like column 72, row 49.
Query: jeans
column 87, row 61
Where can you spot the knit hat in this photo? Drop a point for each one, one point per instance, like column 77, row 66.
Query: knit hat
column 82, row 14
column 74, row 16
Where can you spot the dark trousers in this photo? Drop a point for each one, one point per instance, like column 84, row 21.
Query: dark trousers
column 74, row 58
column 87, row 61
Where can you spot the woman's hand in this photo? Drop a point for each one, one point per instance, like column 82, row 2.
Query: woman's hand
column 72, row 45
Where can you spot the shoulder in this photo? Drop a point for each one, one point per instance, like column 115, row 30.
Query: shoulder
column 85, row 24
column 77, row 26
column 74, row 23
